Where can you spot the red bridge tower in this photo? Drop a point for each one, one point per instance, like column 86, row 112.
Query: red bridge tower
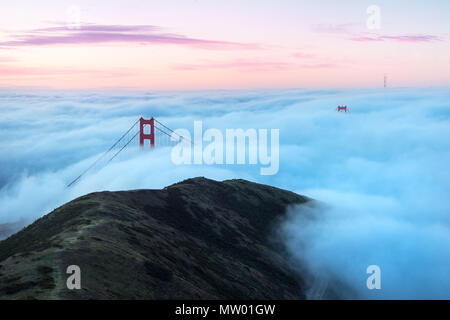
column 150, row 136
column 344, row 108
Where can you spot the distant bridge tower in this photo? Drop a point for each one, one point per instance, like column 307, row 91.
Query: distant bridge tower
column 343, row 108
column 147, row 136
column 385, row 81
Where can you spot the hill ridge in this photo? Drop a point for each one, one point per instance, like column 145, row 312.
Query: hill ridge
column 195, row 239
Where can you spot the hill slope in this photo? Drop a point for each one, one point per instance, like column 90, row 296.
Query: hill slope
column 197, row 239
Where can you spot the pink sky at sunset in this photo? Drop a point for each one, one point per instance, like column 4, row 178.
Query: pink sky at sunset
column 199, row 44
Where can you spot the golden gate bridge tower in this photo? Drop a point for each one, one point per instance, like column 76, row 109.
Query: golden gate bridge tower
column 150, row 136
column 341, row 108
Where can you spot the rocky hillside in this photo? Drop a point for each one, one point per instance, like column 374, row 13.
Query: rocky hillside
column 197, row 239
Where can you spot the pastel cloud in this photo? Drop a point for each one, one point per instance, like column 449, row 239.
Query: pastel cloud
column 345, row 29
column 7, row 59
column 403, row 38
column 301, row 55
column 251, row 65
column 7, row 71
column 101, row 34
column 332, row 28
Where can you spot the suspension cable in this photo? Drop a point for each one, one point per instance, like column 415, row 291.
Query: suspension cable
column 122, row 148
column 102, row 156
column 173, row 131
column 126, row 144
column 163, row 131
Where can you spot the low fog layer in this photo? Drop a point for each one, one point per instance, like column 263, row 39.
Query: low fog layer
column 382, row 170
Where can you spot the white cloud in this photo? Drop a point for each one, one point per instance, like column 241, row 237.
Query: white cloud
column 382, row 169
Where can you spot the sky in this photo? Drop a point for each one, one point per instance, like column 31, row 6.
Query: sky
column 199, row 44
column 68, row 90
column 381, row 170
